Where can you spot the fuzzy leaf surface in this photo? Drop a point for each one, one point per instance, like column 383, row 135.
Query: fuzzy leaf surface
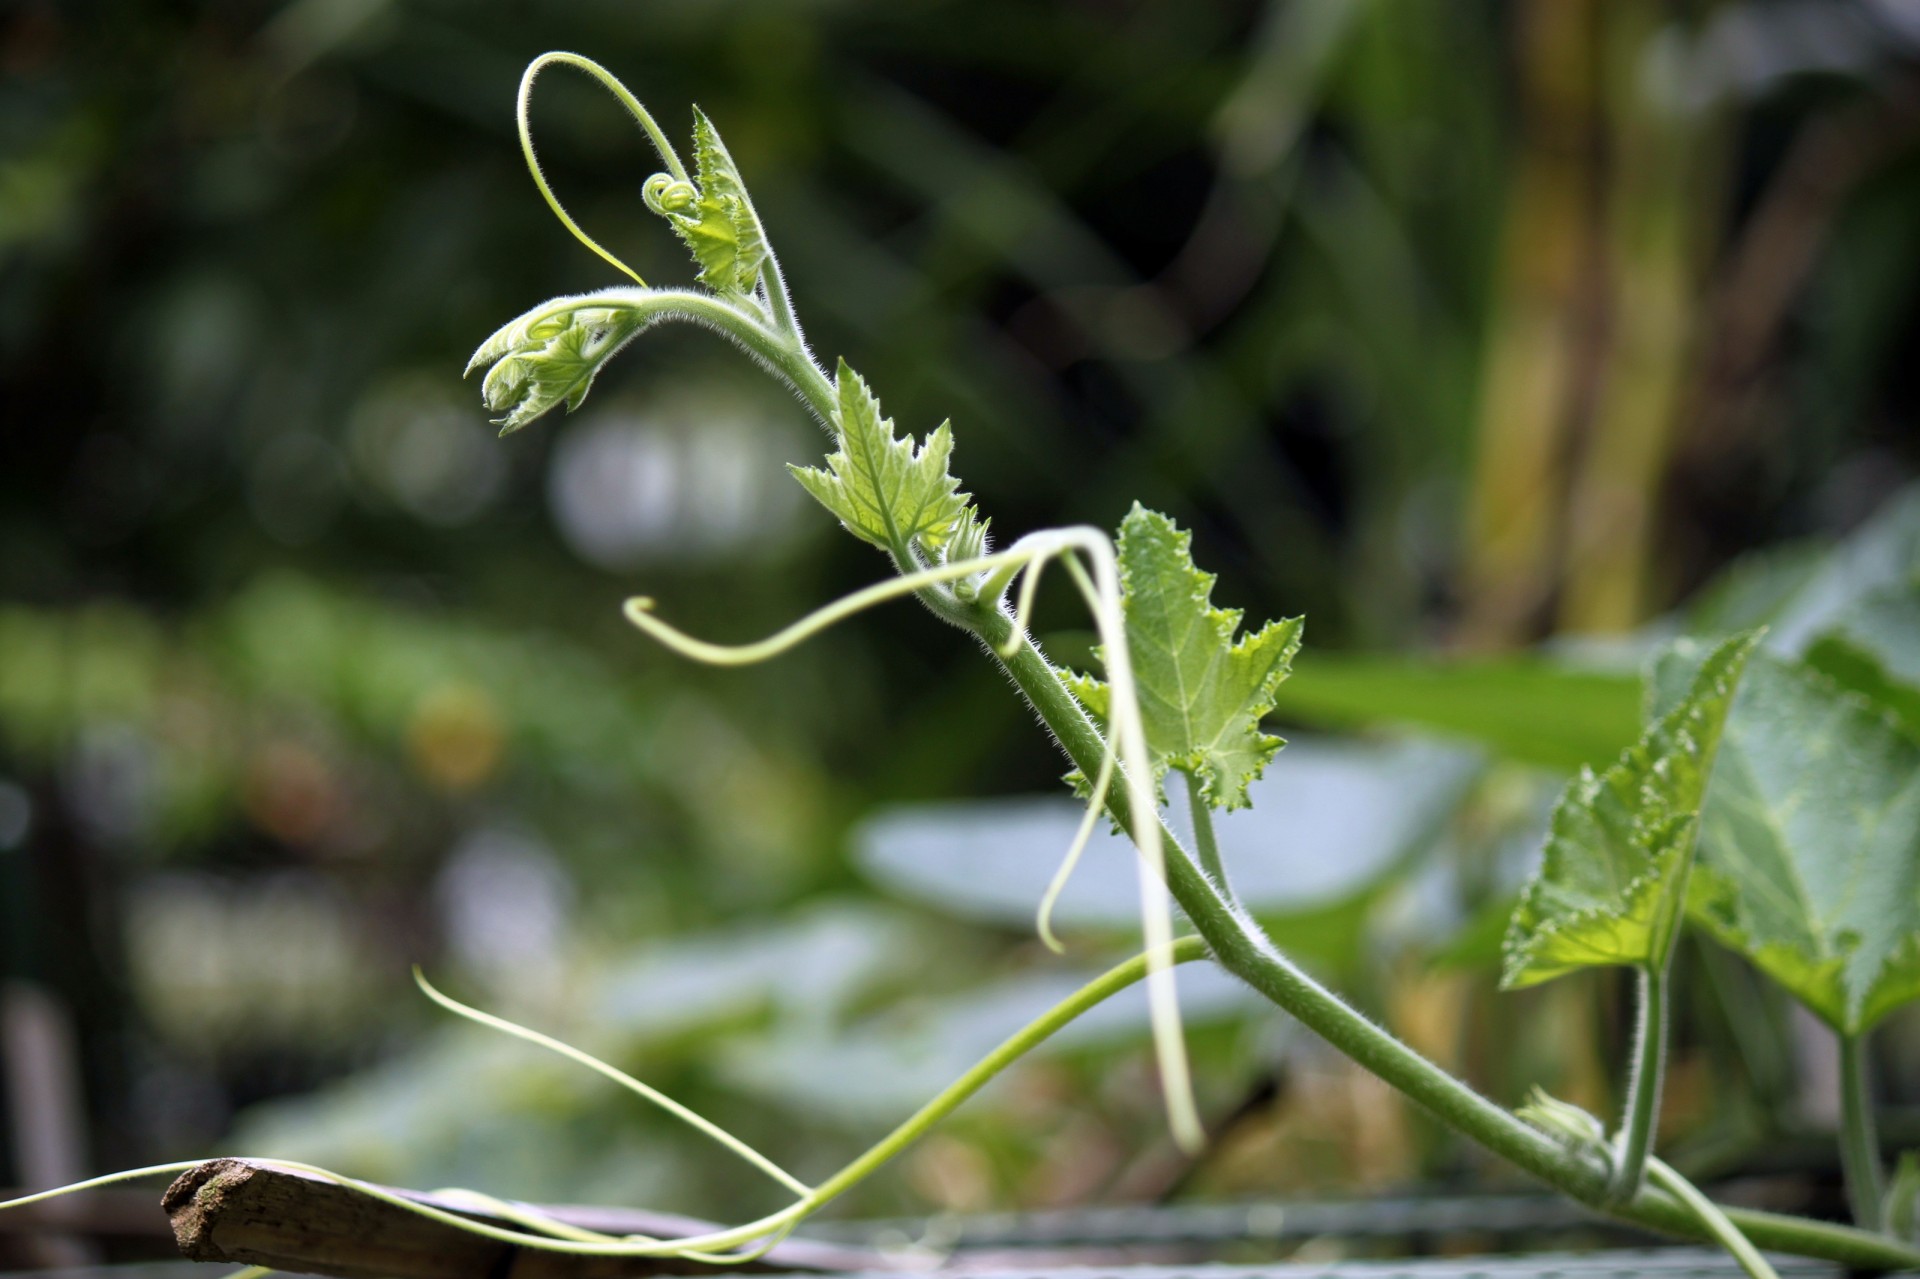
column 882, row 488
column 1612, row 886
column 1810, row 844
column 1202, row 694
column 721, row 229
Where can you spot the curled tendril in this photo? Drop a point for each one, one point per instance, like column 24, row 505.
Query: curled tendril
column 522, row 112
column 665, row 194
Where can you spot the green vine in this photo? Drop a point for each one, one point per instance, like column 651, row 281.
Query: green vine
column 1181, row 689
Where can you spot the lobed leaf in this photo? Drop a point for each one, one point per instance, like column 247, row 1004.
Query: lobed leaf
column 884, row 489
column 1202, row 695
column 1612, row 885
column 1810, row 843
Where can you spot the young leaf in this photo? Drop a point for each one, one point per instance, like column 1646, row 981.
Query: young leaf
column 1202, row 695
column 883, row 489
column 1612, row 885
column 1810, row 844
column 715, row 219
column 968, row 540
column 554, row 360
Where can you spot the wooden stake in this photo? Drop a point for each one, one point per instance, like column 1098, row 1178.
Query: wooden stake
column 250, row 1212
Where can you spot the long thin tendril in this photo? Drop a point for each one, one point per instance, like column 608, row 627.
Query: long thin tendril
column 1710, row 1216
column 1128, row 731
column 522, row 113
column 94, row 1183
column 1096, row 798
column 620, row 1077
column 519, row 1214
column 639, row 611
column 1023, row 608
column 755, row 1238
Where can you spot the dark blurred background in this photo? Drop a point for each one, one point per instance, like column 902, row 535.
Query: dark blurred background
column 1474, row 330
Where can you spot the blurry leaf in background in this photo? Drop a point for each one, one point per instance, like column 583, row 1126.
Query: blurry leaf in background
column 1882, row 553
column 1874, row 649
column 1329, row 821
column 814, row 966
column 306, row 979
column 878, row 1071
column 1530, row 709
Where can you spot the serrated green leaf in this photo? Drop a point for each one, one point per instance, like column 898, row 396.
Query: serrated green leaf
column 1810, row 843
column 542, row 364
column 1612, row 885
column 719, row 226
column 885, row 490
column 1202, row 695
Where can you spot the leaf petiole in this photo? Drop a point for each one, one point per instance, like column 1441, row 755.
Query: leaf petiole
column 1642, row 1113
column 1206, row 845
column 1859, row 1143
